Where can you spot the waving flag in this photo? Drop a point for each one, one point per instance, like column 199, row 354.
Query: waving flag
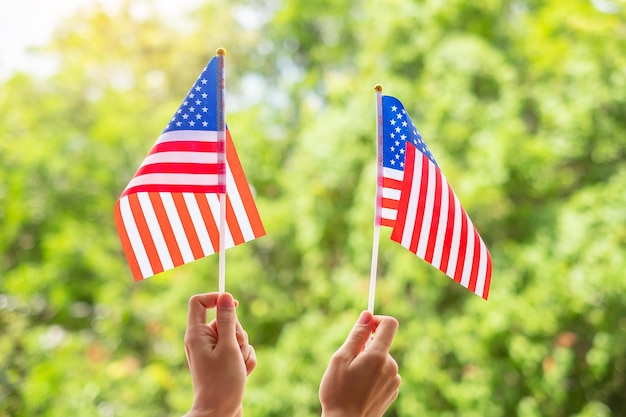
column 425, row 213
column 168, row 215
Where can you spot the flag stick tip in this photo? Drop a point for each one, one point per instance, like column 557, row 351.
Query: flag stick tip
column 220, row 51
column 378, row 88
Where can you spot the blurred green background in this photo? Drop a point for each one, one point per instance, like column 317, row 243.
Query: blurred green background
column 523, row 103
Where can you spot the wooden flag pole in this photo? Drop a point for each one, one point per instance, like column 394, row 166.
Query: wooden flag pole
column 379, row 196
column 221, row 141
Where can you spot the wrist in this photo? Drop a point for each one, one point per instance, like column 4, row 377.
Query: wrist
column 200, row 413
column 336, row 413
column 196, row 412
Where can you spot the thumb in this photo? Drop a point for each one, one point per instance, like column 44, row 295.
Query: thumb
column 359, row 335
column 226, row 319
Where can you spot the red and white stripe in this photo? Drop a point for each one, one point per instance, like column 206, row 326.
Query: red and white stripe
column 183, row 160
column 169, row 213
column 432, row 224
column 392, row 186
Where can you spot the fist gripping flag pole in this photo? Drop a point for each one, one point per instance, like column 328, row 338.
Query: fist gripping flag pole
column 189, row 198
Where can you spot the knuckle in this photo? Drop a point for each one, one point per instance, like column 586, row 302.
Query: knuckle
column 392, row 322
column 380, row 356
column 193, row 299
column 377, row 359
column 338, row 358
column 189, row 339
column 393, row 366
column 226, row 318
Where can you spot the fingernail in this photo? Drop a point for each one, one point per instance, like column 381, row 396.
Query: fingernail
column 225, row 301
column 365, row 317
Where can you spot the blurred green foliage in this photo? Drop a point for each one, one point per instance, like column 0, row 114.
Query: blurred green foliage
column 523, row 102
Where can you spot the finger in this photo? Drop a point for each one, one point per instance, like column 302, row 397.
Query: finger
column 391, row 366
column 198, row 305
column 242, row 335
column 360, row 333
column 242, row 340
column 394, row 387
column 385, row 332
column 251, row 360
column 391, row 398
column 226, row 318
column 387, row 395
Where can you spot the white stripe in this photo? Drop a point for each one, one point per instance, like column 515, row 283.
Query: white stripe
column 469, row 254
column 173, row 179
column 214, row 203
column 198, row 224
column 188, row 135
column 155, row 231
column 456, row 232
column 394, row 174
column 428, row 208
column 482, row 269
column 177, row 227
column 207, row 158
column 443, row 222
column 409, row 223
column 212, row 218
column 391, row 193
column 135, row 238
column 389, row 214
column 232, row 188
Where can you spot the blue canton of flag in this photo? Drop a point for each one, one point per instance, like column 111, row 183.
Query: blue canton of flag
column 398, row 128
column 198, row 111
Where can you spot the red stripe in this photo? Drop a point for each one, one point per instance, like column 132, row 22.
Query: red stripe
column 190, row 231
column 434, row 225
column 126, row 245
column 165, row 188
column 475, row 263
column 166, row 229
column 243, row 188
column 405, row 194
column 184, row 146
column 447, row 240
column 392, row 183
column 178, row 168
column 487, row 276
column 144, row 233
column 390, row 204
column 421, row 203
column 233, row 223
column 460, row 262
column 209, row 221
column 388, row 223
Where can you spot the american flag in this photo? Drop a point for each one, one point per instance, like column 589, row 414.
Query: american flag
column 425, row 213
column 168, row 215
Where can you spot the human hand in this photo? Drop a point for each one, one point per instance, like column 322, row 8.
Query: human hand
column 362, row 378
column 219, row 357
